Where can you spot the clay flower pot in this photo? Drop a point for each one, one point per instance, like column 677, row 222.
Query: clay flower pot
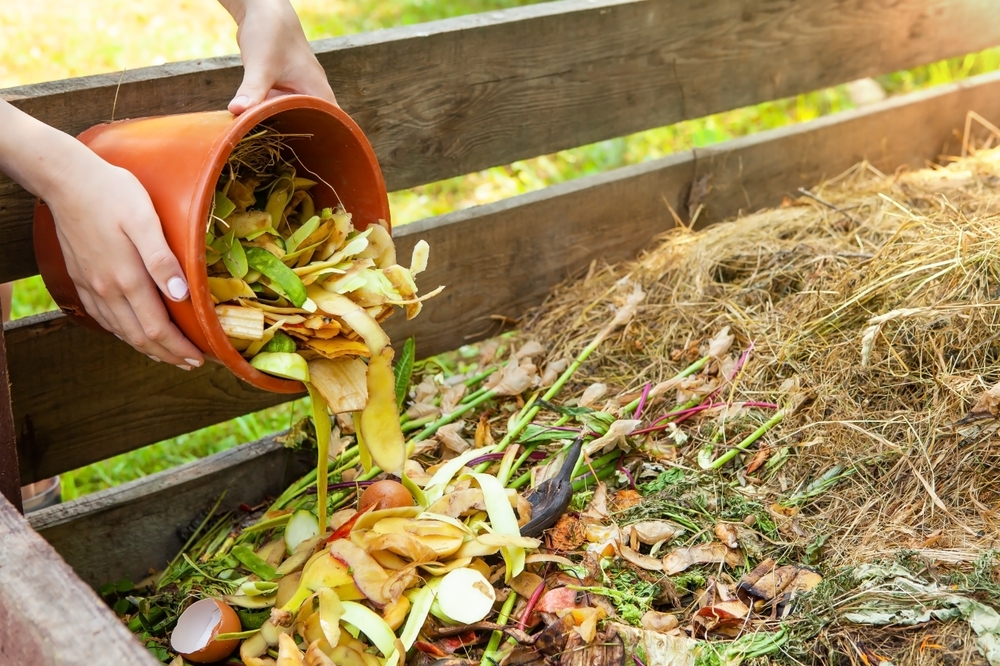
column 179, row 159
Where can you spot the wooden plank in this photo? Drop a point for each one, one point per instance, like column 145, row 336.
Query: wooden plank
column 450, row 97
column 498, row 259
column 47, row 615
column 127, row 530
column 10, row 475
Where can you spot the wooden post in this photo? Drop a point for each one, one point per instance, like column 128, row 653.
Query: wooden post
column 10, row 475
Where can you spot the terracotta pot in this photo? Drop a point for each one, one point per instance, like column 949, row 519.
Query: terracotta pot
column 179, row 159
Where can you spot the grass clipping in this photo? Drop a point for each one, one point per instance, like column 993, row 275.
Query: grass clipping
column 874, row 307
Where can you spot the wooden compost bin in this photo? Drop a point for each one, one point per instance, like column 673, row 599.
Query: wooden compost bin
column 439, row 100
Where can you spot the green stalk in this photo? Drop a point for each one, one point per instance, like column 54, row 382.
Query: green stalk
column 453, row 416
column 531, row 413
column 686, row 372
column 745, row 444
column 417, row 424
column 602, row 474
column 482, row 376
column 194, row 536
column 491, row 648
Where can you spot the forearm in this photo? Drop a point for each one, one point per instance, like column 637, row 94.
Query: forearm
column 238, row 8
column 34, row 154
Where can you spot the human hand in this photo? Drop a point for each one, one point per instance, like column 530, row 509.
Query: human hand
column 109, row 233
column 116, row 254
column 277, row 58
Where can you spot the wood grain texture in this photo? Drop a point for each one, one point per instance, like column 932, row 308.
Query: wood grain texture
column 127, row 530
column 450, row 97
column 40, row 597
column 80, row 397
column 10, row 475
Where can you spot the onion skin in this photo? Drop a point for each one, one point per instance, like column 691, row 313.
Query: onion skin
column 386, row 494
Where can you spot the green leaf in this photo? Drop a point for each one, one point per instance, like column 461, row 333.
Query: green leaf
column 124, row 585
column 284, row 277
column 233, row 255
column 223, row 207
column 302, row 233
column 122, row 606
column 107, row 589
column 404, row 370
column 253, row 562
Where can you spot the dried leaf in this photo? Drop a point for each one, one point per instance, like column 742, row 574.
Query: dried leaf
column 720, row 344
column 642, row 561
column 450, row 438
column 593, row 393
column 529, row 349
column 652, row 532
column 661, row 622
column 704, row 553
column 759, row 459
column 552, row 371
column 513, row 379
column 615, row 436
column 987, row 406
column 598, row 509
column 419, row 410
column 451, row 397
column 727, row 534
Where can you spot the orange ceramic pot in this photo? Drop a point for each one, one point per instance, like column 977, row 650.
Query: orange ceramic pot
column 179, row 158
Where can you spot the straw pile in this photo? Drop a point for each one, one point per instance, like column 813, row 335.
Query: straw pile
column 873, row 304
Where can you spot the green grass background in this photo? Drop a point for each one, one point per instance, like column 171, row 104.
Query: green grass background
column 52, row 39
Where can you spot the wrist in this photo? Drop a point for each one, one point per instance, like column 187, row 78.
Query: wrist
column 38, row 156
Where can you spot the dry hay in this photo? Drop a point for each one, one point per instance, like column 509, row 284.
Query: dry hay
column 881, row 295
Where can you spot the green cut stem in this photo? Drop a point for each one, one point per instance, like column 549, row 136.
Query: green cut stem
column 417, row 424
column 451, row 417
column 686, row 372
column 531, row 413
column 745, row 444
column 194, row 536
column 602, row 474
column 489, row 655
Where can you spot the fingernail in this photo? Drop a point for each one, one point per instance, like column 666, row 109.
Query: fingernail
column 154, row 358
column 177, row 288
column 118, row 336
column 242, row 101
column 193, row 362
column 185, row 368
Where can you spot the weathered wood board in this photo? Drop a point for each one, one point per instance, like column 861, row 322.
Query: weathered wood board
column 47, row 615
column 450, row 97
column 129, row 529
column 80, row 396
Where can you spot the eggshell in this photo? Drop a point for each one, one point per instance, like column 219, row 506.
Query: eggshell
column 194, row 636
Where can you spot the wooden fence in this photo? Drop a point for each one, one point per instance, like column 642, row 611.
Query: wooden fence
column 440, row 100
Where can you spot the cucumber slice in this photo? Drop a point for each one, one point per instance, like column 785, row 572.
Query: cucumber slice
column 282, row 364
column 269, row 265
column 302, row 525
column 281, row 342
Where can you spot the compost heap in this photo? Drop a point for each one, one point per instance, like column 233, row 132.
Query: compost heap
column 770, row 441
